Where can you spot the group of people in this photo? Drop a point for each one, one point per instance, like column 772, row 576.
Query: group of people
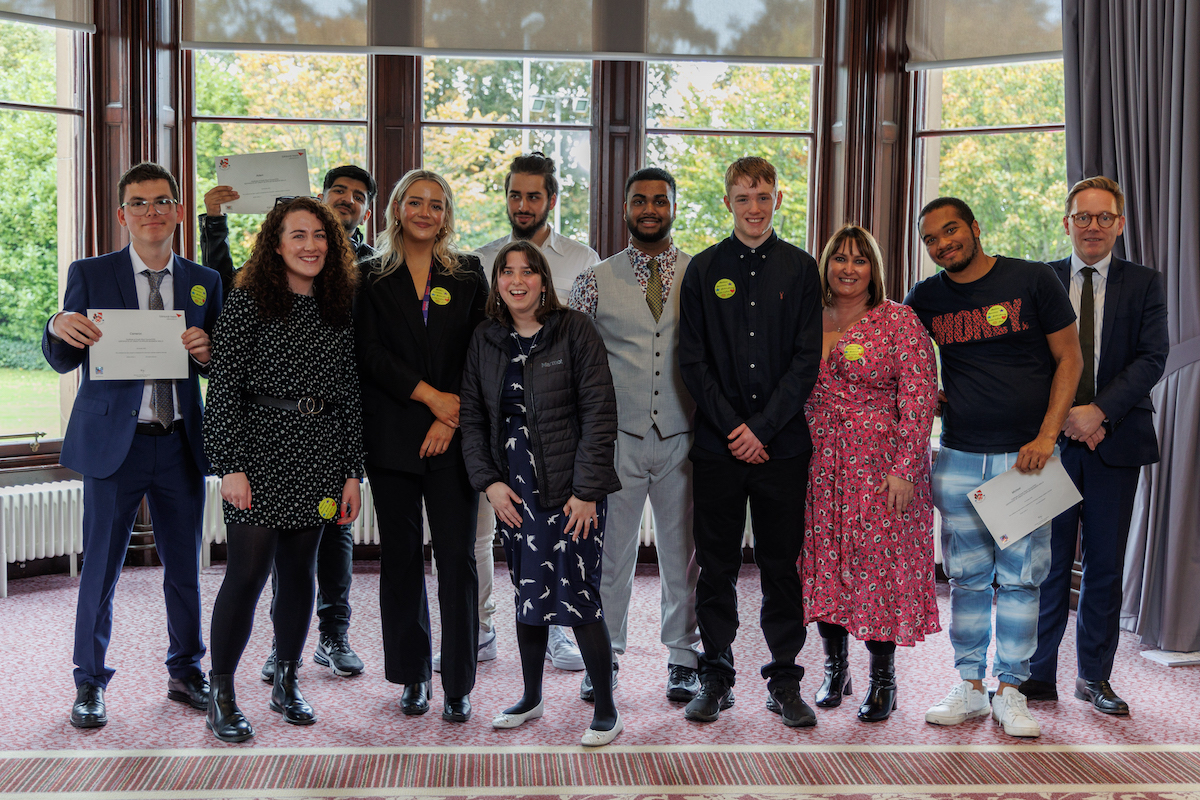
column 567, row 391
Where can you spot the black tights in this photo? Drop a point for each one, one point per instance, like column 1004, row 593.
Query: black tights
column 251, row 552
column 596, row 649
column 828, row 630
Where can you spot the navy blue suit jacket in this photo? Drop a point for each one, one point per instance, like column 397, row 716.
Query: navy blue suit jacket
column 1133, row 353
column 105, row 413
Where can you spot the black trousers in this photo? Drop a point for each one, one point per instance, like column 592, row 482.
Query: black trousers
column 335, row 567
column 722, row 485
column 403, row 604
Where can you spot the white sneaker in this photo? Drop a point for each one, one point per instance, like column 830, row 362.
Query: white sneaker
column 963, row 703
column 1010, row 711
column 562, row 652
column 487, row 649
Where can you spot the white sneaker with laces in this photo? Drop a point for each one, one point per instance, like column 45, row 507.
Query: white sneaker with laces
column 487, row 649
column 1009, row 710
column 963, row 703
column 562, row 652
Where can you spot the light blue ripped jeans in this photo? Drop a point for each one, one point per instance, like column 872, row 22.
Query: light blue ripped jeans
column 972, row 560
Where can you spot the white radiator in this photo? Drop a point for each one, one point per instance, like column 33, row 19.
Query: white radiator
column 41, row 520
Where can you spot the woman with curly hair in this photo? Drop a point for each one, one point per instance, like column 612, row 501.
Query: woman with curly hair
column 283, row 429
column 413, row 320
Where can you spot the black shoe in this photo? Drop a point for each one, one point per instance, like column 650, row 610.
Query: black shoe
column 286, row 698
column 880, row 701
column 457, row 709
column 683, row 683
column 415, row 699
column 1038, row 690
column 787, row 702
column 224, row 718
column 836, row 682
column 88, row 710
column 587, row 692
column 333, row 651
column 1101, row 695
column 268, row 669
column 713, row 698
column 192, row 690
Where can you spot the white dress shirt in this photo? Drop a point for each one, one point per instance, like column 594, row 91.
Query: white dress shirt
column 566, row 257
column 167, row 290
column 1099, row 285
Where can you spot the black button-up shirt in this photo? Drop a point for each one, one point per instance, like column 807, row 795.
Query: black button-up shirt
column 750, row 343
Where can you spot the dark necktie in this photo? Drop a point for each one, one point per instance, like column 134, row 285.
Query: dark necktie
column 654, row 289
column 162, row 401
column 1087, row 340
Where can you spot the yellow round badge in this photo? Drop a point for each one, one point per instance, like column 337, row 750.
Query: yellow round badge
column 997, row 316
column 199, row 294
column 439, row 296
column 327, row 508
column 725, row 288
column 853, row 352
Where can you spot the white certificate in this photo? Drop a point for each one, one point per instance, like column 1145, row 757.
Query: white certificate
column 260, row 178
column 1015, row 504
column 138, row 345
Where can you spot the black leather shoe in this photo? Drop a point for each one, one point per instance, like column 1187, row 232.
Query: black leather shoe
column 683, row 683
column 286, row 698
column 224, row 718
column 457, row 709
column 88, row 710
column 1101, row 695
column 587, row 692
column 836, row 682
column 192, row 690
column 880, row 700
column 1034, row 689
column 415, row 699
column 713, row 698
column 787, row 702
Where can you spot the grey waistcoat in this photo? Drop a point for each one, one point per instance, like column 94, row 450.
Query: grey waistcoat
column 642, row 354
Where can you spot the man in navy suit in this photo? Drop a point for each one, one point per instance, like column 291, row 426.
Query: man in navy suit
column 1107, row 437
column 131, row 439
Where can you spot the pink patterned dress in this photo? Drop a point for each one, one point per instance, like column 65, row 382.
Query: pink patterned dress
column 870, row 415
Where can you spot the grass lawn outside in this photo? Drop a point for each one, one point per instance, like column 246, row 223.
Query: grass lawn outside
column 29, row 401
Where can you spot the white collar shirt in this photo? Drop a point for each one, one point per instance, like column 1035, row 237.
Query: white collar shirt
column 167, row 290
column 1099, row 286
column 566, row 257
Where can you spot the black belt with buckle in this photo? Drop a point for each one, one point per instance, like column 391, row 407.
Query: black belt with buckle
column 304, row 405
column 157, row 429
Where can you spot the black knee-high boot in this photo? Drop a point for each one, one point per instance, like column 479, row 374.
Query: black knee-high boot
column 224, row 718
column 837, row 671
column 286, row 698
column 880, row 699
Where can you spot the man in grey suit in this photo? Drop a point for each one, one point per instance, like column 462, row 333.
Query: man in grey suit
column 633, row 298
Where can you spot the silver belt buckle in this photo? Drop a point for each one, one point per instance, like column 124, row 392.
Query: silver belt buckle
column 310, row 405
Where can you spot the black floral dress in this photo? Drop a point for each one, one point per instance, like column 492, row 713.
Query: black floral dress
column 556, row 580
column 297, row 464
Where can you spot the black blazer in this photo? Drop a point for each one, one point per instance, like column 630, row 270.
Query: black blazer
column 396, row 351
column 1133, row 353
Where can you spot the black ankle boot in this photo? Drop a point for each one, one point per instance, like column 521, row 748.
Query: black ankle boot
column 881, row 694
column 286, row 698
column 224, row 718
column 837, row 673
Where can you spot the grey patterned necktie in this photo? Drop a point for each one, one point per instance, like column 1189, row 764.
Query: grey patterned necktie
column 162, row 400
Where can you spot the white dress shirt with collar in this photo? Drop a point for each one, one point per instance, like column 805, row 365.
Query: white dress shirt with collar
column 567, row 258
column 167, row 290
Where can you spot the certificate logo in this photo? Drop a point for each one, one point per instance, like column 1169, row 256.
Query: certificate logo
column 223, row 163
column 98, row 317
column 439, row 296
column 99, row 371
column 978, row 495
column 1004, row 538
column 199, row 294
column 725, row 288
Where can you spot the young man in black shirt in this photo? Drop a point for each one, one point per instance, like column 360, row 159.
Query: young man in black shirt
column 749, row 351
column 1010, row 364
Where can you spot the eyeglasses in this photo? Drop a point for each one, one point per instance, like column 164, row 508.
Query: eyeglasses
column 1104, row 220
column 139, row 208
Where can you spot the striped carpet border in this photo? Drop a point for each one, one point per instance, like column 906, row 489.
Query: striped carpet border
column 564, row 771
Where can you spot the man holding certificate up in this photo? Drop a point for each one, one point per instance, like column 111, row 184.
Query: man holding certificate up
column 1010, row 365
column 135, row 438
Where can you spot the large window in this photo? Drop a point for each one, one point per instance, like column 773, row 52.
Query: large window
column 701, row 116
column 40, row 133
column 479, row 114
column 264, row 102
column 993, row 135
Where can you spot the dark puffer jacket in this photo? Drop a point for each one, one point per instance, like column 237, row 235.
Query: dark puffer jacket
column 570, row 406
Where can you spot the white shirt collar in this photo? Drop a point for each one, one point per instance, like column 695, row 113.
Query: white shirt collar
column 139, row 265
column 1100, row 266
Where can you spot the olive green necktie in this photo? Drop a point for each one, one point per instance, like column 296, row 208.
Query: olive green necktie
column 654, row 289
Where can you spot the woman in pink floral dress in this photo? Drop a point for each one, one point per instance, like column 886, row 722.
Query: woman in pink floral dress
column 867, row 563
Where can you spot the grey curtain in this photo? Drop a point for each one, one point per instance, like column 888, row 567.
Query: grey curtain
column 1133, row 114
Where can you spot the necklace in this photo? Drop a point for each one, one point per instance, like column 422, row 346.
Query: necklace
column 838, row 327
column 533, row 340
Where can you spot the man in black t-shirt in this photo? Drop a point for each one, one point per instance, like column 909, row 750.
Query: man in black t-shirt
column 1010, row 365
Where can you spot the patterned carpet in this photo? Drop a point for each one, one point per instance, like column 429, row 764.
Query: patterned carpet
column 363, row 747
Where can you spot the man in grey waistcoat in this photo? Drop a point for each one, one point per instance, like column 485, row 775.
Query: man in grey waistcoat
column 633, row 298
